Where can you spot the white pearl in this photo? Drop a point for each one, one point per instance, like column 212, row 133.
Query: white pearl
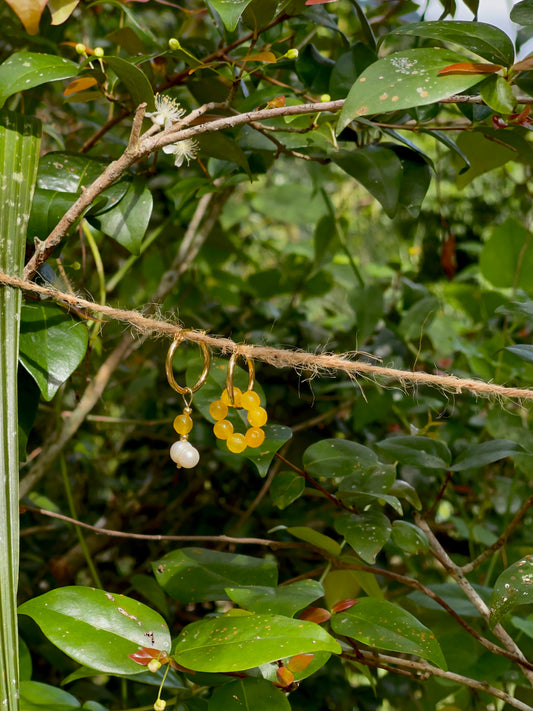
column 176, row 449
column 189, row 457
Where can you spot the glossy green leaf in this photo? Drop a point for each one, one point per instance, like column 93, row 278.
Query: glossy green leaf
column 25, row 663
column 134, row 79
column 199, row 574
column 522, row 351
column 497, row 93
column 513, row 587
column 286, row 487
column 230, row 644
column 52, row 345
column 409, row 537
column 367, row 532
column 249, row 695
column 403, row 80
column 479, row 455
column 48, row 207
column 414, row 181
column 127, row 222
column 275, row 437
column 403, row 490
column 285, row 600
column 217, row 145
column 483, row 153
column 36, row 696
column 445, row 139
column 417, row 451
column 381, row 624
column 524, row 625
column 24, row 70
column 506, row 259
column 522, row 12
column 337, row 458
column 315, row 538
column 230, row 11
column 97, row 628
column 20, row 141
column 366, row 486
column 378, row 169
column 480, row 38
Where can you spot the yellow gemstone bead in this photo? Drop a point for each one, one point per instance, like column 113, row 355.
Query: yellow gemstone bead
column 254, row 437
column 250, row 399
column 237, row 394
column 257, row 417
column 183, row 424
column 236, row 443
column 223, row 429
column 218, row 410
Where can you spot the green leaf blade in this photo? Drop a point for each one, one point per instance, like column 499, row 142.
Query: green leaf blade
column 249, row 695
column 513, row 587
column 24, row 70
column 230, row 644
column 286, row 600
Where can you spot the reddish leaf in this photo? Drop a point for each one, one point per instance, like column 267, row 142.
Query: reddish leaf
column 146, row 654
column 285, row 677
column 268, row 57
column 470, row 68
column 524, row 65
column 498, row 122
column 343, row 605
column 300, row 662
column 315, row 614
column 79, row 85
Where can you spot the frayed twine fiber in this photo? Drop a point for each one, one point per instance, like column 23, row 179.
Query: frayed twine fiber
column 279, row 358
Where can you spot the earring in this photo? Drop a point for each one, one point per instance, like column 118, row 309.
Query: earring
column 249, row 401
column 182, row 452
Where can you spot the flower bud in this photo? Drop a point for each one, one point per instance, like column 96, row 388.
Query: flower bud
column 81, row 48
column 154, row 665
column 292, row 53
column 324, row 98
column 98, row 52
column 160, row 705
column 174, row 44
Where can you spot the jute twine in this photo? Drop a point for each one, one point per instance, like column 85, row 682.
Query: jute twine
column 312, row 363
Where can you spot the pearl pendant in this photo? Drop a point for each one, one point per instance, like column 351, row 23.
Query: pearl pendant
column 184, row 454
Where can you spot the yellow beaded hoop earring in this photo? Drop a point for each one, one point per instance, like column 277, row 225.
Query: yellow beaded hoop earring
column 249, row 400
column 182, row 452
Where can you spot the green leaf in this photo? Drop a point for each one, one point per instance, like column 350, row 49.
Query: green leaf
column 381, row 624
column 286, row 487
column 285, row 600
column 366, row 486
column 25, row 663
column 35, row 696
column 378, row 169
column 24, row 70
column 409, row 537
column 198, row 574
column 315, row 538
column 337, row 458
column 97, row 628
column 52, row 345
column 20, row 141
column 417, row 451
column 249, row 695
column 497, row 93
column 230, row 11
column 275, row 437
column 367, row 532
column 453, row 595
column 513, row 587
column 48, row 207
column 522, row 12
column 127, row 222
column 231, row 644
column 480, row 38
column 525, row 626
column 485, row 453
column 484, row 152
column 224, row 148
column 403, row 80
column 506, row 259
column 522, row 351
column 134, row 79
column 404, row 490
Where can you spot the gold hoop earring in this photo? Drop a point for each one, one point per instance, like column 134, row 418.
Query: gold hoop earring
column 182, row 452
column 249, row 400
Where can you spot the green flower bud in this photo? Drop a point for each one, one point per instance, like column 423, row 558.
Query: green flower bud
column 292, row 53
column 98, row 52
column 81, row 48
column 160, row 705
column 174, row 44
column 154, row 665
column 325, row 97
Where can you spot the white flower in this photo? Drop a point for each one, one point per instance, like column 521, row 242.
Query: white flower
column 183, row 151
column 167, row 111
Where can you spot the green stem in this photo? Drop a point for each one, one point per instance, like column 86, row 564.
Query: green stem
column 72, row 509
column 99, row 271
column 342, row 238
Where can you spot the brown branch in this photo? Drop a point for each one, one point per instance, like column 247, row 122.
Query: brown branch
column 502, row 540
column 457, row 574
